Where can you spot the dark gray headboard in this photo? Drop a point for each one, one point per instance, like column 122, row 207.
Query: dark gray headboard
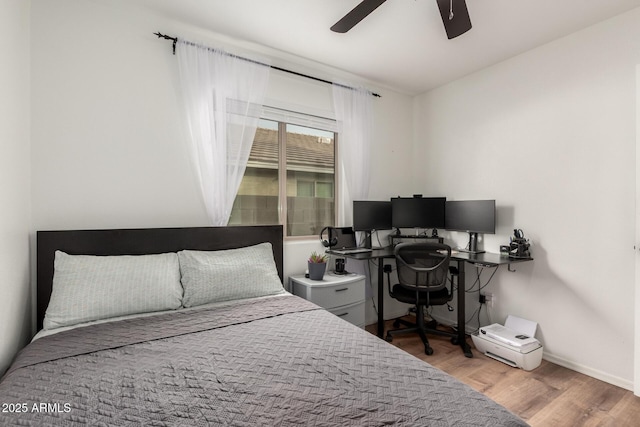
column 144, row 241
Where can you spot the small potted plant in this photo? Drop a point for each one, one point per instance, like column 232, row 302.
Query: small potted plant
column 317, row 266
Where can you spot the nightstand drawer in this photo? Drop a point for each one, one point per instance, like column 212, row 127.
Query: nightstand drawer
column 342, row 295
column 338, row 295
column 333, row 291
column 353, row 313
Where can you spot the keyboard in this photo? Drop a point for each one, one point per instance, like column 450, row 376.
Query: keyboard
column 351, row 251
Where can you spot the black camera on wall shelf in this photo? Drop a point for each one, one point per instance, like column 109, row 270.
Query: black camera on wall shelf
column 519, row 246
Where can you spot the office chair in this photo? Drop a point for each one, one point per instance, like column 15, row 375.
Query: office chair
column 422, row 273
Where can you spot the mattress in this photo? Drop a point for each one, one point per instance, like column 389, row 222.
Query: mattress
column 278, row 361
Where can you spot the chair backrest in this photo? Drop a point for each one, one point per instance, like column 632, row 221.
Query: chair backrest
column 423, row 266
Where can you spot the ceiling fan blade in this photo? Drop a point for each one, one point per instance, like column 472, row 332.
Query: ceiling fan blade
column 356, row 15
column 455, row 17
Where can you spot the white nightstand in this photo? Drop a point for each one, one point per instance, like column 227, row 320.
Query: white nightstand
column 342, row 295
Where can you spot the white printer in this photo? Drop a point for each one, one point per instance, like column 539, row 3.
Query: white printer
column 513, row 344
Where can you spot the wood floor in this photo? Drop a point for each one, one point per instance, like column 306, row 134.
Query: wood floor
column 550, row 395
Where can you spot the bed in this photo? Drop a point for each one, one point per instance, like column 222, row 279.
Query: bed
column 251, row 355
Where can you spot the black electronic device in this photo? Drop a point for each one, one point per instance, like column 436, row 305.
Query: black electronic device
column 473, row 217
column 329, row 241
column 346, row 238
column 339, row 238
column 418, row 212
column 519, row 246
column 371, row 215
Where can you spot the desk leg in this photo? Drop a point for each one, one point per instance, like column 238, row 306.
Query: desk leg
column 381, row 298
column 462, row 341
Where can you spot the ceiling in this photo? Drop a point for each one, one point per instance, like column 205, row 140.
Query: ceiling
column 402, row 44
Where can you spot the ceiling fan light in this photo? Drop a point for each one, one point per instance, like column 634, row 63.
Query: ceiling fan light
column 455, row 17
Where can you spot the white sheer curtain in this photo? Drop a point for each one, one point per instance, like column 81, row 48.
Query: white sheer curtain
column 223, row 97
column 354, row 116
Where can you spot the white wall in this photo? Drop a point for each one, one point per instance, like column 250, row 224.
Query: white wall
column 108, row 147
column 14, row 179
column 550, row 135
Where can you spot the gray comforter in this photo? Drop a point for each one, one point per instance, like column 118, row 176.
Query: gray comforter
column 277, row 361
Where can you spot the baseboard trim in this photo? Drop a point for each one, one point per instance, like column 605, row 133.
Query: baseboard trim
column 594, row 373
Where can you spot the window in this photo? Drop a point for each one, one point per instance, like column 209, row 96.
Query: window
column 290, row 174
column 324, row 189
column 305, row 188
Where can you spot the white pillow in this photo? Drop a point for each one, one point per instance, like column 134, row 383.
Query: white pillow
column 88, row 287
column 213, row 276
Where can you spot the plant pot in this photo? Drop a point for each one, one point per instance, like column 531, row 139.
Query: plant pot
column 316, row 270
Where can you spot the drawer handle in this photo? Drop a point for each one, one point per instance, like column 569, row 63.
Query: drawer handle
column 342, row 289
column 341, row 315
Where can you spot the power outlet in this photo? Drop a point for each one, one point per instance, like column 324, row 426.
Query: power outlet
column 489, row 299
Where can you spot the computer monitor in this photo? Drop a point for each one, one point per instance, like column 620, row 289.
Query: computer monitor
column 371, row 215
column 472, row 216
column 418, row 212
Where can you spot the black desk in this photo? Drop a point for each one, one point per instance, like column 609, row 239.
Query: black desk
column 486, row 259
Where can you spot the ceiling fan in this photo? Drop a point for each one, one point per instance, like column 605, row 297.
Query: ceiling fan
column 455, row 16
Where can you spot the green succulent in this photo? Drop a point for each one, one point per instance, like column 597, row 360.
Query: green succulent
column 315, row 258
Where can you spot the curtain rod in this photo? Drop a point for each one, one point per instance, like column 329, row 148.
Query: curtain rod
column 175, row 40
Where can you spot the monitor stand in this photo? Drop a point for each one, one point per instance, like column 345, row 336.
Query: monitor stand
column 473, row 244
column 367, row 239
